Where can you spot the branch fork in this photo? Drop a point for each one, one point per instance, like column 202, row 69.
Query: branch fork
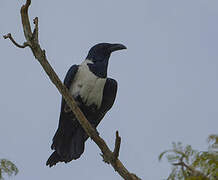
column 115, row 153
column 193, row 171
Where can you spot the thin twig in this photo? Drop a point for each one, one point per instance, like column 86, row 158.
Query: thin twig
column 115, row 152
column 117, row 145
column 25, row 20
column 192, row 170
column 184, row 165
column 116, row 148
column 36, row 30
column 14, row 42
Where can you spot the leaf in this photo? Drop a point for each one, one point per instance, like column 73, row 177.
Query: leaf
column 162, row 154
column 213, row 139
column 192, row 164
column 7, row 167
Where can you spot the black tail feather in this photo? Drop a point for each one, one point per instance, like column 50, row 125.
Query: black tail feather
column 53, row 159
column 67, row 147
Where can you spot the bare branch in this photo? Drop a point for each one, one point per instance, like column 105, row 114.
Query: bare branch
column 117, row 145
column 14, row 42
column 107, row 161
column 116, row 151
column 36, row 30
column 193, row 171
column 25, row 20
column 32, row 40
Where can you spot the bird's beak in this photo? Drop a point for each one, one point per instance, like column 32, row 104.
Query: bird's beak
column 116, row 47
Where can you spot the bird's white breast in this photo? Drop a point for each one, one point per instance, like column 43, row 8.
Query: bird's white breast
column 88, row 86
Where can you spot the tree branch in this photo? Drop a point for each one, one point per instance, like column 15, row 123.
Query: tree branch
column 116, row 150
column 191, row 169
column 40, row 55
column 36, row 30
column 117, row 145
column 25, row 20
column 14, row 42
column 183, row 169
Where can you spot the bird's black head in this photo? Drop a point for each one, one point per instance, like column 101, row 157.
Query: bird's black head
column 102, row 51
column 99, row 55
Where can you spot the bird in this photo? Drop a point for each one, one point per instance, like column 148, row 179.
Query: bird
column 94, row 94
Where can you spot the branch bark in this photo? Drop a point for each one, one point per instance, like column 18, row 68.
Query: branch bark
column 117, row 146
column 14, row 42
column 40, row 55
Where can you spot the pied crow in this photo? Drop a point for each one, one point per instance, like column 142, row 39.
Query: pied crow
column 93, row 92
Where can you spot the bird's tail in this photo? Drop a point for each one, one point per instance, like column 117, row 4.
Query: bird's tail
column 67, row 147
column 53, row 159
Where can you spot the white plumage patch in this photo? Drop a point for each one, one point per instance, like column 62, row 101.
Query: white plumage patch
column 89, row 86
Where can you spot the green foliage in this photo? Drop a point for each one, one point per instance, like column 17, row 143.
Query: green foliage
column 7, row 167
column 190, row 164
column 213, row 139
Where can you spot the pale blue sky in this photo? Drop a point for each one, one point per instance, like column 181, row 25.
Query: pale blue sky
column 168, row 82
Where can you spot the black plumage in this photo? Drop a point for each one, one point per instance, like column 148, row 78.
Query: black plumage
column 94, row 94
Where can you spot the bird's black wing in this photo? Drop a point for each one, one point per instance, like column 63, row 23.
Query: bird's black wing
column 70, row 76
column 109, row 95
